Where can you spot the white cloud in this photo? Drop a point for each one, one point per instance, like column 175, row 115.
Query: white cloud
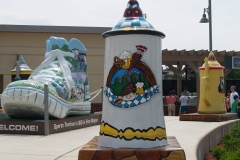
column 13, row 17
column 178, row 19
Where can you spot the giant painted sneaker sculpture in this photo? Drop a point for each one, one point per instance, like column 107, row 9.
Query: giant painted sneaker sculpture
column 64, row 70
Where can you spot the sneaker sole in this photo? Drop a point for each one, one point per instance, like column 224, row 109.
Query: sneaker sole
column 29, row 103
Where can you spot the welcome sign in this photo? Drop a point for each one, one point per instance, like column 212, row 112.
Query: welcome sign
column 36, row 127
column 21, row 127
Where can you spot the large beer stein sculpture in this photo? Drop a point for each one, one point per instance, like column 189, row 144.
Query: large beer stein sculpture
column 211, row 87
column 132, row 103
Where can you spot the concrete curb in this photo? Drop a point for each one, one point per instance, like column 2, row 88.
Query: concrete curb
column 212, row 138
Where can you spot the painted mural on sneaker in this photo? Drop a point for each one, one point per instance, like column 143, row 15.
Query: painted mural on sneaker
column 64, row 70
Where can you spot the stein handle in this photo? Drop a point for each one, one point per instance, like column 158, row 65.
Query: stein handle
column 117, row 61
column 204, row 81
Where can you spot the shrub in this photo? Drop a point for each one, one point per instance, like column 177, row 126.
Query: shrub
column 231, row 155
column 218, row 152
column 231, row 150
column 235, row 132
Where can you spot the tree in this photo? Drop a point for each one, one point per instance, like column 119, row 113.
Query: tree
column 234, row 74
column 54, row 46
column 118, row 87
column 65, row 48
column 72, row 61
column 133, row 79
column 143, row 79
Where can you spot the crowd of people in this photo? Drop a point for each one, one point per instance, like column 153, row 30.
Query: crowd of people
column 172, row 100
column 232, row 102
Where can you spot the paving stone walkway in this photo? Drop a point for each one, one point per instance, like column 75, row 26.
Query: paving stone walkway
column 65, row 146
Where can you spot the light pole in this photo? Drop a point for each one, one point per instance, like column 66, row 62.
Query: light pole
column 205, row 20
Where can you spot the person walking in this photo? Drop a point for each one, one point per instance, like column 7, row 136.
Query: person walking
column 235, row 104
column 227, row 101
column 233, row 93
column 171, row 104
column 184, row 104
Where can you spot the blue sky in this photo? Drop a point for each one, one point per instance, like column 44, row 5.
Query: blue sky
column 178, row 19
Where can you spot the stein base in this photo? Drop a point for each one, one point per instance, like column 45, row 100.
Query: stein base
column 208, row 117
column 91, row 151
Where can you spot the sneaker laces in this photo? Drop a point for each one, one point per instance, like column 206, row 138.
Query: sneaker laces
column 64, row 65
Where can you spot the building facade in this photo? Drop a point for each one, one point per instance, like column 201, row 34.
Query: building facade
column 30, row 42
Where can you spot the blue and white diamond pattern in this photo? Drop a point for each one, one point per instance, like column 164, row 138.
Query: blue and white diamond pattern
column 133, row 22
column 136, row 102
column 139, row 99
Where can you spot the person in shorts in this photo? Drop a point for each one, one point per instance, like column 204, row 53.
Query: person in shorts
column 227, row 101
column 170, row 99
column 184, row 104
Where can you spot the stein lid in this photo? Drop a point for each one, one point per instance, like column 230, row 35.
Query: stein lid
column 133, row 22
column 212, row 62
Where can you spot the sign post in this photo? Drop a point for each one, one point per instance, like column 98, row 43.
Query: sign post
column 46, row 115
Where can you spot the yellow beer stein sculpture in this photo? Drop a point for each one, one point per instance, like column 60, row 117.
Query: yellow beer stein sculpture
column 211, row 87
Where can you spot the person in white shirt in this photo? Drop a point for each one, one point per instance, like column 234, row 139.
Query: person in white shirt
column 184, row 104
column 233, row 93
